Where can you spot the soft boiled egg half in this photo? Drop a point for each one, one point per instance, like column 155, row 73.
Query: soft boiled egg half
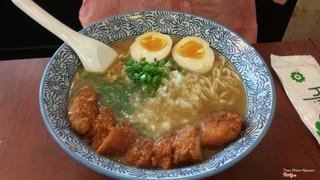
column 151, row 45
column 194, row 54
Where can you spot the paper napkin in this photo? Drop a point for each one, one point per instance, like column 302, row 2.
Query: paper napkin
column 300, row 77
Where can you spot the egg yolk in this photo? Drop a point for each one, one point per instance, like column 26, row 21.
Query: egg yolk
column 191, row 49
column 153, row 42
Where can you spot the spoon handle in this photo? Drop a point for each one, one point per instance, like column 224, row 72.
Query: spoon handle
column 49, row 22
column 94, row 55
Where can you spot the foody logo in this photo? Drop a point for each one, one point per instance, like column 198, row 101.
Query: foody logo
column 290, row 175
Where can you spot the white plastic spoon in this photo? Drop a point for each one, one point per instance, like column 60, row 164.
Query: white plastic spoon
column 94, row 55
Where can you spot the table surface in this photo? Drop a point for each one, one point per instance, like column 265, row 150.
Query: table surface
column 27, row 151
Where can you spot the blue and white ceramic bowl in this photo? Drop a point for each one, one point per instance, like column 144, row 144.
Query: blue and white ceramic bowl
column 256, row 77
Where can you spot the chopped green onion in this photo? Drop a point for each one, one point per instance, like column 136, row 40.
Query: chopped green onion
column 162, row 63
column 184, row 71
column 146, row 78
column 171, row 60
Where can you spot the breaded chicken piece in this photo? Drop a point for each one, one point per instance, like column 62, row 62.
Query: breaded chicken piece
column 140, row 154
column 221, row 128
column 119, row 140
column 162, row 153
column 186, row 146
column 101, row 127
column 83, row 109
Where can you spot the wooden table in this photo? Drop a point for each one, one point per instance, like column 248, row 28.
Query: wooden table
column 27, row 151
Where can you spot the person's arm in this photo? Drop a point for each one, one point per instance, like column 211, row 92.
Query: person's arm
column 281, row 2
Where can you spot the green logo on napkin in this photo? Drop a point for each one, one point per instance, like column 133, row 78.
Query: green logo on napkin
column 318, row 127
column 298, row 77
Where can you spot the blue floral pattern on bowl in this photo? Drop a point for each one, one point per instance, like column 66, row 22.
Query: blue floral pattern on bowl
column 249, row 64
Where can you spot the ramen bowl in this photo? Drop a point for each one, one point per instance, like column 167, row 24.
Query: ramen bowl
column 256, row 77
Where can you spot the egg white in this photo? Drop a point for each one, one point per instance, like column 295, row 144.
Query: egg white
column 137, row 51
column 200, row 65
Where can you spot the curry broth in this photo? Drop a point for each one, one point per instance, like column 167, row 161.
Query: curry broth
column 178, row 119
column 156, row 126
